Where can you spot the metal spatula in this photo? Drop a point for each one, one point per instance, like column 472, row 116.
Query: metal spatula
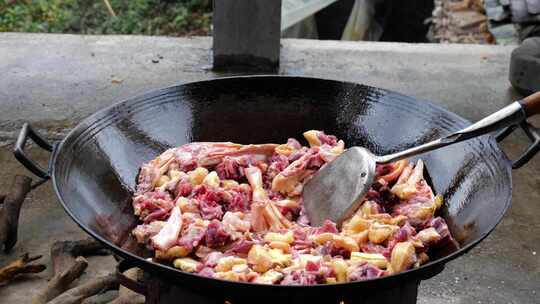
column 336, row 191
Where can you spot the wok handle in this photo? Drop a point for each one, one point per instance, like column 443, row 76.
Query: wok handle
column 130, row 284
column 531, row 104
column 533, row 134
column 28, row 132
column 515, row 113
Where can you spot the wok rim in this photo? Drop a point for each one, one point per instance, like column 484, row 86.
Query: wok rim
column 427, row 268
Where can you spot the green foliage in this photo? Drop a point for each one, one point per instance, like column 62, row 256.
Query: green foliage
column 147, row 17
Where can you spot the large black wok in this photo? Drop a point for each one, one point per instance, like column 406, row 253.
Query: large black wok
column 94, row 168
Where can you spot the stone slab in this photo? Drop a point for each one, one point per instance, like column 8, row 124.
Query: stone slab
column 53, row 81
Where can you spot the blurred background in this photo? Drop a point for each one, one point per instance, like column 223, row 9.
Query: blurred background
column 437, row 21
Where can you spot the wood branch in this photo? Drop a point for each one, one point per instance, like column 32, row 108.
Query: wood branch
column 63, row 253
column 61, row 281
column 10, row 210
column 66, row 267
column 78, row 294
column 20, row 266
column 81, row 247
column 109, row 8
column 126, row 295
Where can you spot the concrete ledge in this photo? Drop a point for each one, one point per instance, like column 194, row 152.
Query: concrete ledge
column 53, row 81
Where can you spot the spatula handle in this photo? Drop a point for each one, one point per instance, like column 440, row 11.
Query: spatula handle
column 531, row 104
column 512, row 114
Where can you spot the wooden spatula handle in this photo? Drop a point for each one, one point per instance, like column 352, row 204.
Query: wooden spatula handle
column 531, row 104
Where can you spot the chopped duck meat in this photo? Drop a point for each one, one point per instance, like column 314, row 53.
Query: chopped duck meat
column 278, row 163
column 411, row 184
column 296, row 154
column 207, row 272
column 289, row 208
column 299, row 277
column 240, row 198
column 364, row 271
column 236, row 224
column 419, row 212
column 289, row 148
column 240, row 247
column 144, row 232
column 275, row 220
column 390, row 172
column 288, row 179
column 257, row 220
column 318, row 138
column 235, row 212
column 216, row 236
column 313, row 273
column 330, row 248
column 229, row 168
column 265, row 209
column 183, row 189
column 192, row 236
column 294, row 144
column 148, row 177
column 152, row 171
column 202, row 252
column 439, row 224
column 259, row 199
column 329, row 153
column 232, row 167
column 210, row 210
column 327, row 227
column 325, row 139
column 188, row 264
column 429, row 236
column 403, row 257
column 381, row 194
column 158, row 214
column 144, row 204
column 202, row 154
column 418, row 203
column 254, row 177
column 212, row 259
column 403, row 234
column 168, row 235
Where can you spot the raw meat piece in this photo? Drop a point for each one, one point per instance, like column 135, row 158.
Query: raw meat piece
column 168, row 235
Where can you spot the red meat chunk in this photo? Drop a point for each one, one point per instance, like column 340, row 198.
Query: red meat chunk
column 210, row 210
column 208, row 202
column 277, row 164
column 183, row 189
column 364, row 271
column 207, row 272
column 330, row 140
column 330, row 249
column 229, row 168
column 241, row 199
column 294, row 143
column 216, row 236
column 212, row 259
column 314, row 274
column 157, row 215
column 240, row 247
column 327, row 226
column 404, row 233
column 192, row 237
column 442, row 229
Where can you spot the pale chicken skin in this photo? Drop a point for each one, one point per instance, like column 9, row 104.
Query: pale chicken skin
column 235, row 212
